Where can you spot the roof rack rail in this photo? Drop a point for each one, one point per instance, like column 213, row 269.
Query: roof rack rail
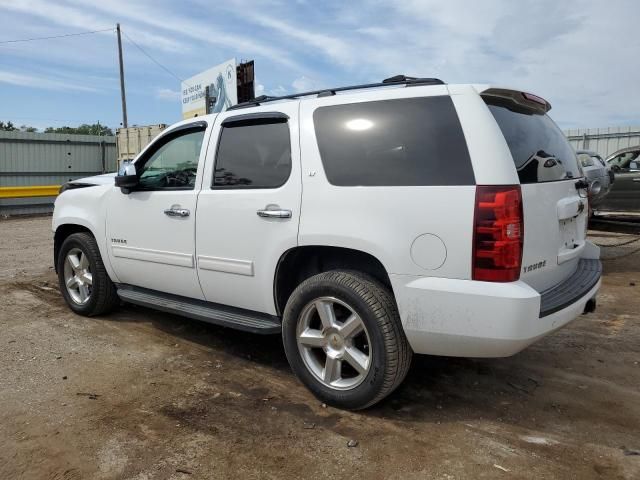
column 395, row 80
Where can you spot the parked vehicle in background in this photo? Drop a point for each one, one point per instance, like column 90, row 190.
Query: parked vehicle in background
column 597, row 173
column 624, row 195
column 361, row 223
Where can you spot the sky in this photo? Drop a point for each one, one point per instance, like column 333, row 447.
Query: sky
column 581, row 55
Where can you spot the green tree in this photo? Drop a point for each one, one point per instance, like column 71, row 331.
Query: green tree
column 84, row 129
column 7, row 127
column 28, row 128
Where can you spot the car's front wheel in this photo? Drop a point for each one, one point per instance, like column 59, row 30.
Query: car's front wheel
column 343, row 339
column 83, row 279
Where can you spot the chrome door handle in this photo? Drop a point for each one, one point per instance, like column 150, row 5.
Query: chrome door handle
column 274, row 213
column 177, row 212
column 636, row 180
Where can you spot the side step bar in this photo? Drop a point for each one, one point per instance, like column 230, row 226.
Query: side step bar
column 223, row 315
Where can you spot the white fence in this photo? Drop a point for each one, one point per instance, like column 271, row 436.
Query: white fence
column 605, row 141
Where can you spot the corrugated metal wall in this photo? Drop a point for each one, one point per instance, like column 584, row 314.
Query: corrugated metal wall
column 605, row 141
column 49, row 159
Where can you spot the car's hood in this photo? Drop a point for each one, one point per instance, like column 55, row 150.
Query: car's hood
column 104, row 179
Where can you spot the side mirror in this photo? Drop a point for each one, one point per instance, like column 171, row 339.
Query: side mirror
column 127, row 178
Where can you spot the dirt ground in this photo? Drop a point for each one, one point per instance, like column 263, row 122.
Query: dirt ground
column 145, row 395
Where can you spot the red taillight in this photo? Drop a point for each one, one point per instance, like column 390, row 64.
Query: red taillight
column 498, row 233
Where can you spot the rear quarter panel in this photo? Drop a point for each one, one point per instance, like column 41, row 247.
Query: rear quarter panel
column 385, row 221
column 490, row 155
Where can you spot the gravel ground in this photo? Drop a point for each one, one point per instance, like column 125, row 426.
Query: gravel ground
column 145, row 395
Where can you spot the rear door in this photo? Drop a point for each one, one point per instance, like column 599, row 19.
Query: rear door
column 249, row 206
column 555, row 210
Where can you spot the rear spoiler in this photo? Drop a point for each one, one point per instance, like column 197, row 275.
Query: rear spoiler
column 523, row 99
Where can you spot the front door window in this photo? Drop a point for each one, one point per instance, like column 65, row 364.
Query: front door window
column 174, row 163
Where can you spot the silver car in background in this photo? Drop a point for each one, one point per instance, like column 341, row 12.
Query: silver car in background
column 598, row 174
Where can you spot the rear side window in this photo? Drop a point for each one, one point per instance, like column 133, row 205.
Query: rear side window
column 540, row 150
column 403, row 142
column 253, row 155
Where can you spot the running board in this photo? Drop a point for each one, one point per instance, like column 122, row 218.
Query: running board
column 222, row 315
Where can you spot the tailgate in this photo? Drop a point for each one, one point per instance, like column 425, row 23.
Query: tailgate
column 555, row 219
column 555, row 210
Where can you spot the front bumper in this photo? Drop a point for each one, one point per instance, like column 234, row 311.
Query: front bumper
column 464, row 318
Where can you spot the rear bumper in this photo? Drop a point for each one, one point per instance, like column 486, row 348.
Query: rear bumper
column 572, row 289
column 464, row 318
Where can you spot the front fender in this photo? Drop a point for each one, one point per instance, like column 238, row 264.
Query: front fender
column 86, row 207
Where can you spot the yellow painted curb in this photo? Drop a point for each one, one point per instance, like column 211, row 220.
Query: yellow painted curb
column 31, row 191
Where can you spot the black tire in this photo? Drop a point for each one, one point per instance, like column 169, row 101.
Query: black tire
column 103, row 297
column 374, row 303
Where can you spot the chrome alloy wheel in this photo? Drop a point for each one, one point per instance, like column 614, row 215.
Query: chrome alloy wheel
column 334, row 343
column 77, row 276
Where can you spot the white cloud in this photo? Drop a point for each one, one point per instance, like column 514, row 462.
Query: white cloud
column 574, row 53
column 151, row 14
column 47, row 83
column 258, row 87
column 278, row 91
column 168, row 94
column 303, row 84
column 329, row 45
column 81, row 19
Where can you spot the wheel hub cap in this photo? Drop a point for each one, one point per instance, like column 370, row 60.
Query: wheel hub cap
column 77, row 276
column 334, row 343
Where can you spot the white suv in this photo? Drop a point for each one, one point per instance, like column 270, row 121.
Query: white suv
column 363, row 223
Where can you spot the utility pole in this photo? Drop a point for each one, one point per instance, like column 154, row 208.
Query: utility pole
column 122, row 94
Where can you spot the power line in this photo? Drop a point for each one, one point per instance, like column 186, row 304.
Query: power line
column 4, row 42
column 151, row 58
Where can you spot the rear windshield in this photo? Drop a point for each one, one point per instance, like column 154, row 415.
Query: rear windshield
column 540, row 150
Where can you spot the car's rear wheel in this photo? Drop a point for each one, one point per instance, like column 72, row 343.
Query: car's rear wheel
column 343, row 339
column 83, row 279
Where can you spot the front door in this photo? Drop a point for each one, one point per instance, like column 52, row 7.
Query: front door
column 624, row 195
column 150, row 231
column 249, row 206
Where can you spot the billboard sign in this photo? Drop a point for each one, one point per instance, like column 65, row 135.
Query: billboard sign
column 223, row 90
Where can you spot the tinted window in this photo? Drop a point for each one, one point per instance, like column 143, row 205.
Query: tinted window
column 412, row 141
column 174, row 163
column 539, row 149
column 253, row 155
